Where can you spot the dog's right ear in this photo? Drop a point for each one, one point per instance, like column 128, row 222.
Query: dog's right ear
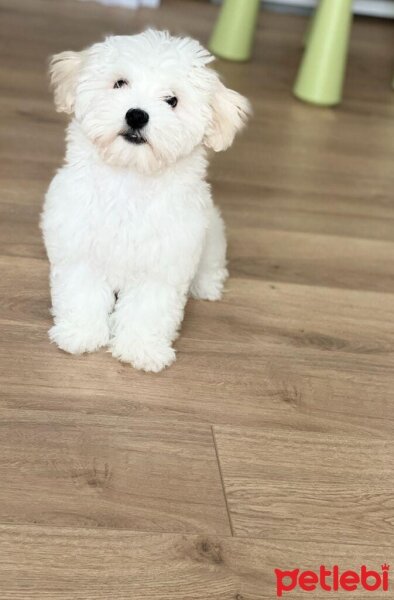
column 63, row 70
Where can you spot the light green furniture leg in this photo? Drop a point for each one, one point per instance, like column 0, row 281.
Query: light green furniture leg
column 233, row 34
column 321, row 74
column 309, row 29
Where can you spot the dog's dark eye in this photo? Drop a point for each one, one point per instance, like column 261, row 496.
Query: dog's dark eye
column 172, row 101
column 120, row 83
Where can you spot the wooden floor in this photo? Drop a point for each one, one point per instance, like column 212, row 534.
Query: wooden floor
column 269, row 444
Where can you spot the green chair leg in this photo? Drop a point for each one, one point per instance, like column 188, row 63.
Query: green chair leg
column 321, row 74
column 233, row 34
column 309, row 29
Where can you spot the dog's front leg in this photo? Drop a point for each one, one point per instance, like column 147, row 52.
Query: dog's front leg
column 145, row 322
column 81, row 303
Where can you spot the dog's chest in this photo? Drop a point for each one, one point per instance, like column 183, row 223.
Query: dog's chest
column 139, row 226
column 124, row 218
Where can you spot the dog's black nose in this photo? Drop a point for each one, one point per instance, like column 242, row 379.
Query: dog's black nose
column 136, row 118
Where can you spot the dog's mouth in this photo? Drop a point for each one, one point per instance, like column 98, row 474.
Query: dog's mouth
column 133, row 137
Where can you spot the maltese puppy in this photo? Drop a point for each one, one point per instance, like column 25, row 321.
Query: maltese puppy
column 128, row 222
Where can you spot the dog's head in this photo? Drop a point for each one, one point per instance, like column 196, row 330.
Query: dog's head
column 147, row 100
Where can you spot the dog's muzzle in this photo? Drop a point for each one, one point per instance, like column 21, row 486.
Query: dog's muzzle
column 136, row 119
column 134, row 137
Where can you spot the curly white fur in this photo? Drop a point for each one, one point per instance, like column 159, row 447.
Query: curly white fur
column 131, row 230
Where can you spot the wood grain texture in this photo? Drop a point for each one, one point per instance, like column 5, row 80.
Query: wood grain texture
column 110, row 483
column 115, row 472
column 269, row 350
column 293, row 486
column 41, row 563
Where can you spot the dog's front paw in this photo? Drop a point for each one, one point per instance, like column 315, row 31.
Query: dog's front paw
column 152, row 355
column 73, row 338
column 209, row 285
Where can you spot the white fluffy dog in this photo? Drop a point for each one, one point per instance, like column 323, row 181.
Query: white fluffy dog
column 128, row 222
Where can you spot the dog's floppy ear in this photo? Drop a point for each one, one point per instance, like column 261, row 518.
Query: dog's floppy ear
column 229, row 113
column 63, row 70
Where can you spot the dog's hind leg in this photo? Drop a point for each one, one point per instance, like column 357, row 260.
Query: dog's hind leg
column 211, row 272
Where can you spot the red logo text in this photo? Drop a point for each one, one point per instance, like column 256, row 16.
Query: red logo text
column 332, row 580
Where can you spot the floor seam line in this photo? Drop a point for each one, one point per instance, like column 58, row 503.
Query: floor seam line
column 222, row 481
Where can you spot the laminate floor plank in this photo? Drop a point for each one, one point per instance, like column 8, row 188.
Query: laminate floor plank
column 86, row 471
column 57, row 563
column 319, row 487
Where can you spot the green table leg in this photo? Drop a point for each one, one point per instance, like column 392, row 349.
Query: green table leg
column 321, row 74
column 233, row 34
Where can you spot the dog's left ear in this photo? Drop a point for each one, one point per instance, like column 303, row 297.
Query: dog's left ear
column 63, row 70
column 230, row 111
